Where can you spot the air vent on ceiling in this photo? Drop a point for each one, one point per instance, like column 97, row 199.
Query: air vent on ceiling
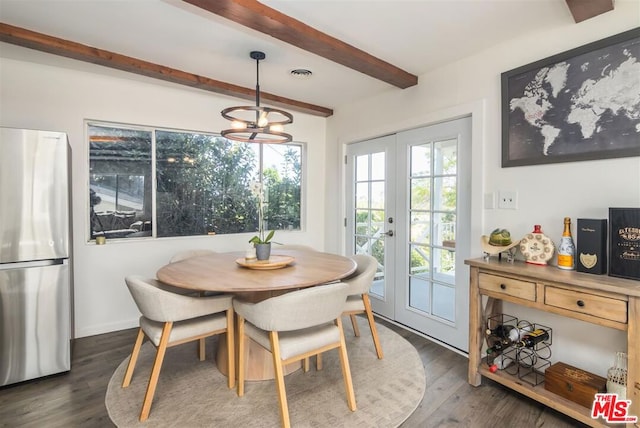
column 301, row 73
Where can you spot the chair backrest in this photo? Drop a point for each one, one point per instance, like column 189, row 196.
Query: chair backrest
column 190, row 253
column 163, row 306
column 296, row 310
column 360, row 281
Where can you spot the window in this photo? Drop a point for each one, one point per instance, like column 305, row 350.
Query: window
column 202, row 183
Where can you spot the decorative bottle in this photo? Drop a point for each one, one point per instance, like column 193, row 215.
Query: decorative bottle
column 566, row 249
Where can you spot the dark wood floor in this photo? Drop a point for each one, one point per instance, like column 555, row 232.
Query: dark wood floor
column 76, row 399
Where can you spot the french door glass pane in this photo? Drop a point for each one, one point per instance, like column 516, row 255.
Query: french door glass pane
column 420, row 160
column 444, row 229
column 378, row 166
column 362, row 168
column 420, row 256
column 444, row 193
column 444, row 301
column 419, row 294
column 446, row 157
column 362, row 195
column 420, row 193
column 420, row 227
column 377, row 195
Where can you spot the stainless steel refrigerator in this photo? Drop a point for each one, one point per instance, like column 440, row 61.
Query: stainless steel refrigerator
column 35, row 291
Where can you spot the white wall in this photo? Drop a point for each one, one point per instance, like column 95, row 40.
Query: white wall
column 58, row 98
column 546, row 194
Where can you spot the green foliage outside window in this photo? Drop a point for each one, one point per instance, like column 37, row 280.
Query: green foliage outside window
column 202, row 183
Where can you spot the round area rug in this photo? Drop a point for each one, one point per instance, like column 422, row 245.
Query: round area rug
column 192, row 393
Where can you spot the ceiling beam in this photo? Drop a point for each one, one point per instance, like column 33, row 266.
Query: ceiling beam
column 585, row 9
column 53, row 45
column 255, row 15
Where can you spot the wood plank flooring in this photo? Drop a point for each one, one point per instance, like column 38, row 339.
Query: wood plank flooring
column 76, row 399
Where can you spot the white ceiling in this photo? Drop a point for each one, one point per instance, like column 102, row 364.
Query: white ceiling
column 416, row 36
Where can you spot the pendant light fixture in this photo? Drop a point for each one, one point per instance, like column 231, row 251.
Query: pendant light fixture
column 257, row 124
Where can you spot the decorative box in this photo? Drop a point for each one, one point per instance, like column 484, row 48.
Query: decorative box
column 624, row 242
column 574, row 384
column 591, row 246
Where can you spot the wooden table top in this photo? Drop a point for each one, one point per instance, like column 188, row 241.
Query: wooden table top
column 220, row 272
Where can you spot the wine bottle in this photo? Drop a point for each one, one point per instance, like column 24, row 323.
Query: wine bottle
column 566, row 249
column 532, row 338
column 505, row 331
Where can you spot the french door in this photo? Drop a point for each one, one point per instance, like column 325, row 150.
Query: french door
column 409, row 206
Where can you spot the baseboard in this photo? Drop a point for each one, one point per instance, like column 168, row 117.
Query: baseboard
column 107, row 328
column 419, row 333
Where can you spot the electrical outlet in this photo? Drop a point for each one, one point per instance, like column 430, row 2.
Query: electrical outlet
column 508, row 200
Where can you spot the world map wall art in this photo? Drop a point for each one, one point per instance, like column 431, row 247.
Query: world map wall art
column 582, row 104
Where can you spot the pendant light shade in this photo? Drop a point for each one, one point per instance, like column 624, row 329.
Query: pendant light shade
column 256, row 124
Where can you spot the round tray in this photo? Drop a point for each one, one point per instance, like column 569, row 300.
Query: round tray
column 274, row 262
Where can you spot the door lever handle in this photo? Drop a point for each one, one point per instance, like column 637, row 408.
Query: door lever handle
column 389, row 233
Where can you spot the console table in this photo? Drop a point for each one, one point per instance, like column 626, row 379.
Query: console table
column 598, row 299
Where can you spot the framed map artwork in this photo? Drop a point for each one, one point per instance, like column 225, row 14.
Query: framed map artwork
column 578, row 105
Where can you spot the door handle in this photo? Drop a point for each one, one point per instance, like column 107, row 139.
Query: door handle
column 389, row 233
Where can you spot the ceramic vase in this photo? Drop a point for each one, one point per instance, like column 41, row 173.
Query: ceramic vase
column 263, row 251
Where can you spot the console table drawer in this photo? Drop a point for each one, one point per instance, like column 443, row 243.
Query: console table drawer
column 513, row 287
column 589, row 304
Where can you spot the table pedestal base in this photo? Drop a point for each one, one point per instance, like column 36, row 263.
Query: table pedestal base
column 259, row 362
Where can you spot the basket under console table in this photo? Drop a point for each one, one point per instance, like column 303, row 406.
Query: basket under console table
column 598, row 299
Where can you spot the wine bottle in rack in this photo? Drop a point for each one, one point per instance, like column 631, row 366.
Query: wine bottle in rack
column 532, row 338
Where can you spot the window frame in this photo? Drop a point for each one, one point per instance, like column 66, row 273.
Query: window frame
column 153, row 130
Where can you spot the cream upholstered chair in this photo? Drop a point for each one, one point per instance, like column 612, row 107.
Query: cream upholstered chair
column 292, row 327
column 170, row 319
column 358, row 300
column 182, row 255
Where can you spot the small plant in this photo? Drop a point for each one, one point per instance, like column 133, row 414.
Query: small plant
column 258, row 191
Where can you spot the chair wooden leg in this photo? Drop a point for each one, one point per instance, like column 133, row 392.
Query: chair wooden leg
column 133, row 359
column 241, row 367
column 319, row 362
column 202, row 350
column 372, row 325
column 155, row 372
column 354, row 323
column 279, row 378
column 305, row 365
column 346, row 371
column 231, row 350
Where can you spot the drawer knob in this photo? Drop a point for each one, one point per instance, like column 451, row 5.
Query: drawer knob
column 580, row 303
column 503, row 287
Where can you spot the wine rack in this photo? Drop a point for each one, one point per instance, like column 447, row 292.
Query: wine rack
column 506, row 350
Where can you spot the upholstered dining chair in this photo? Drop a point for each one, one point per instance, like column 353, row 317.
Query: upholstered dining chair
column 170, row 319
column 358, row 300
column 294, row 326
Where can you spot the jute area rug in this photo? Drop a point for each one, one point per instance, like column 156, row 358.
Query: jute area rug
column 194, row 394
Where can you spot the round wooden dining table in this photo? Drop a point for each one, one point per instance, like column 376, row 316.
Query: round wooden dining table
column 228, row 273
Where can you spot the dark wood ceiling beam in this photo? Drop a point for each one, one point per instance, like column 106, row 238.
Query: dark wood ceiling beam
column 585, row 9
column 255, row 15
column 53, row 45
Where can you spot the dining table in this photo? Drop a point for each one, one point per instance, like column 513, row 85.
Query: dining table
column 229, row 272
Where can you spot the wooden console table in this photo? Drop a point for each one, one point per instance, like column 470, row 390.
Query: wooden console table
column 598, row 299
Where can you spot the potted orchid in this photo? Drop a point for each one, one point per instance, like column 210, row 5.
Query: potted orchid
column 261, row 242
